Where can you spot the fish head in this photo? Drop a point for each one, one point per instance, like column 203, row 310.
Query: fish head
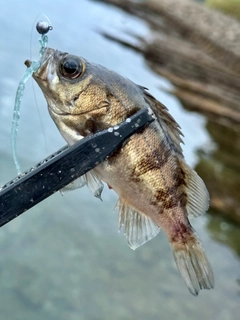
column 76, row 94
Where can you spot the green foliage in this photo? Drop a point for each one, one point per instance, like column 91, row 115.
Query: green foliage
column 231, row 7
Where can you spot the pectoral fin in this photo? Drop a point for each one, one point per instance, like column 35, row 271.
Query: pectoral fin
column 138, row 228
column 78, row 183
column 90, row 179
column 94, row 183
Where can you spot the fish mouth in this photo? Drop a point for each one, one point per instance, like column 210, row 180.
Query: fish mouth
column 44, row 59
column 75, row 114
column 47, row 55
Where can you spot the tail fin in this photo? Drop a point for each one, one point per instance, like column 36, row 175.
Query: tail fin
column 193, row 265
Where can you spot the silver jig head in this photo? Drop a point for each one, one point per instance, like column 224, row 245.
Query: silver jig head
column 43, row 27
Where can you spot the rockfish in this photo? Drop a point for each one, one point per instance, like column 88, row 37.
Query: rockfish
column 156, row 187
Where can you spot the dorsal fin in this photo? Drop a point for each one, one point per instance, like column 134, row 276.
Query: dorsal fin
column 166, row 121
column 138, row 228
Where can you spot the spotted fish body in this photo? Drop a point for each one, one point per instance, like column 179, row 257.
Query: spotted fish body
column 156, row 188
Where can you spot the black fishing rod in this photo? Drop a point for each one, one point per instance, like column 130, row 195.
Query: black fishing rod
column 65, row 166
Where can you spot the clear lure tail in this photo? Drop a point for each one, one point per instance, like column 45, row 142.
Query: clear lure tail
column 42, row 28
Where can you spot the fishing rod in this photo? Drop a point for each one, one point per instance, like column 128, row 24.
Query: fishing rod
column 66, row 165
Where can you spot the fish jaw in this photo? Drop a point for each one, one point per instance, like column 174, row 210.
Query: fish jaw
column 44, row 75
column 48, row 80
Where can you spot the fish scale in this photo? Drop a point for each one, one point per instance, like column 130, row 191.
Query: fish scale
column 156, row 187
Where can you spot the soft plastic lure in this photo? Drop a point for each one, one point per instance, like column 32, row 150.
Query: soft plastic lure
column 42, row 28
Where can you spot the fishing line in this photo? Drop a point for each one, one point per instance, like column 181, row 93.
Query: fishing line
column 42, row 28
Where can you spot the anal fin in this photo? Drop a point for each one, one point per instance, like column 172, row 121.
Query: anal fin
column 138, row 228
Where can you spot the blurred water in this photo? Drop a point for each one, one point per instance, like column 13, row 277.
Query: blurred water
column 64, row 258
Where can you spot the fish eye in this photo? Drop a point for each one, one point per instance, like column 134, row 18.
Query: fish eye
column 71, row 67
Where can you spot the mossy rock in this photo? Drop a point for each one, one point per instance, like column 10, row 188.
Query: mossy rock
column 231, row 7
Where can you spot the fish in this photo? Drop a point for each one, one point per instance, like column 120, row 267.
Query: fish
column 157, row 189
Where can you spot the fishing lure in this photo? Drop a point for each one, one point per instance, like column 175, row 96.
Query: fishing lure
column 42, row 28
